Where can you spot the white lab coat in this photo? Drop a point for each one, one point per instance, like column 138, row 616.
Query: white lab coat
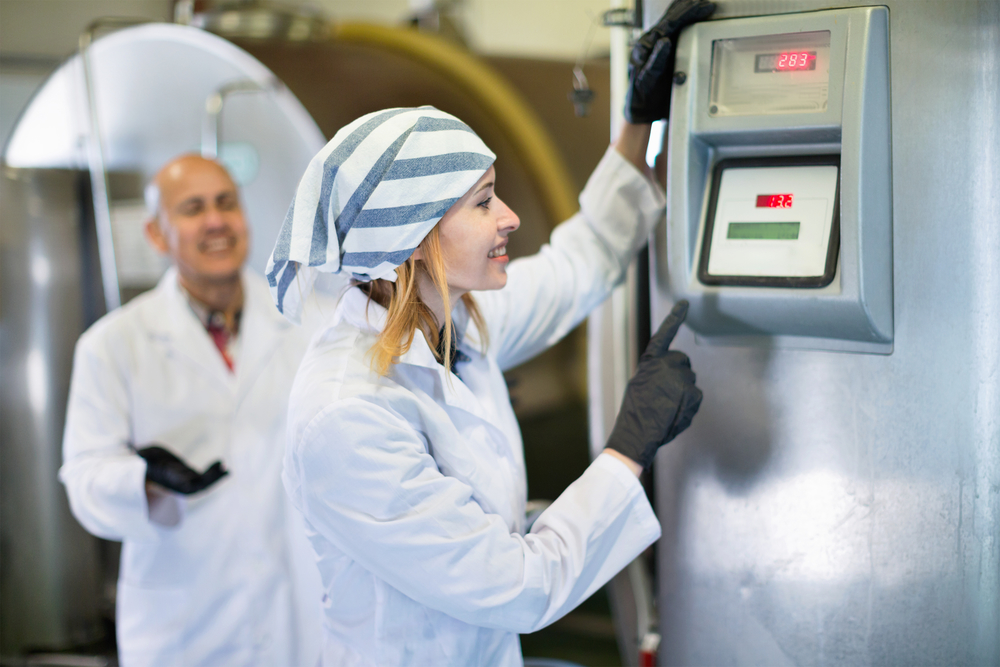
column 413, row 485
column 235, row 582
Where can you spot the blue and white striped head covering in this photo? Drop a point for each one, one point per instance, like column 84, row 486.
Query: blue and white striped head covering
column 370, row 196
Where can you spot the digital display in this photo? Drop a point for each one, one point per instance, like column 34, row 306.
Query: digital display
column 766, row 231
column 774, row 201
column 786, row 61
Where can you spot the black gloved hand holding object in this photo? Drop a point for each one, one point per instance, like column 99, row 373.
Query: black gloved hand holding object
column 169, row 471
column 651, row 65
column 661, row 398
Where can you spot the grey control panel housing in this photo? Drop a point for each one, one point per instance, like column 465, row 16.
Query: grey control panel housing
column 851, row 312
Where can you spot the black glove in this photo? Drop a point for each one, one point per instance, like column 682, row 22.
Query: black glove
column 660, row 399
column 651, row 65
column 169, row 471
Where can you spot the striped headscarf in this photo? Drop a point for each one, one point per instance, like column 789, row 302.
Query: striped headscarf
column 370, row 196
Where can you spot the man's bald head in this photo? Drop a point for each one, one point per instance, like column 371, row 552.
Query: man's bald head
column 196, row 219
column 174, row 171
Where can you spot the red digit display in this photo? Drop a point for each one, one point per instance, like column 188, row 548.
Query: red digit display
column 794, row 60
column 774, row 201
column 786, row 61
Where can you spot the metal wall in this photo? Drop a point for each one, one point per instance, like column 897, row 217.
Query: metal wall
column 838, row 508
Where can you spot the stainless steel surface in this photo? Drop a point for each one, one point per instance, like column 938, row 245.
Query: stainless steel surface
column 211, row 131
column 149, row 89
column 844, row 509
column 258, row 19
column 50, row 577
column 151, row 84
column 98, row 174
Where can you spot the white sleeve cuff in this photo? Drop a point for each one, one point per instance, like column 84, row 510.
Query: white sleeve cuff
column 642, row 511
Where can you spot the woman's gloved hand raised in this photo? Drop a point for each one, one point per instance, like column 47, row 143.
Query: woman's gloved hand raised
column 661, row 398
column 651, row 65
column 165, row 468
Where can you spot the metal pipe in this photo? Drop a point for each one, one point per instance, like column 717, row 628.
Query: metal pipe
column 95, row 161
column 498, row 99
column 211, row 128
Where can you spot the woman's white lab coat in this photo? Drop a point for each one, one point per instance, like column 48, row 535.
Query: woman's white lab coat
column 235, row 582
column 413, row 485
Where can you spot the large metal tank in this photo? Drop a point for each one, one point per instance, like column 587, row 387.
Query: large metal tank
column 158, row 90
column 830, row 507
column 50, row 571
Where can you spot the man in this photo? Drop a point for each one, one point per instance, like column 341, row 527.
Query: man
column 194, row 376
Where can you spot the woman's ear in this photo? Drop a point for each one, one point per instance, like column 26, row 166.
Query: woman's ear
column 418, row 254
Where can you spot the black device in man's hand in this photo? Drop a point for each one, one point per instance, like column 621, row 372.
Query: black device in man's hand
column 661, row 398
column 651, row 65
column 165, row 468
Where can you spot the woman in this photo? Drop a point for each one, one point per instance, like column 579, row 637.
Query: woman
column 404, row 455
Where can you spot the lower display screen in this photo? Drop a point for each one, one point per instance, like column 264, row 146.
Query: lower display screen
column 771, row 222
column 770, row 231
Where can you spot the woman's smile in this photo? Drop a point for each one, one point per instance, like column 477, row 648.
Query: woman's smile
column 499, row 253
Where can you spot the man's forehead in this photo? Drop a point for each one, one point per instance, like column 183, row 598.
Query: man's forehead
column 190, row 174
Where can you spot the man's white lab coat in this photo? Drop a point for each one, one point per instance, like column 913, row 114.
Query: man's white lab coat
column 413, row 485
column 234, row 582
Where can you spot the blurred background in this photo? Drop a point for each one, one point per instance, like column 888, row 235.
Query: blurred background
column 532, row 78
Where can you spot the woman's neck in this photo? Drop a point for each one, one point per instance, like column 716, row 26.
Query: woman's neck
column 432, row 298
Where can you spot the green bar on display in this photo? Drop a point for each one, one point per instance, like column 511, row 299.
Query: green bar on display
column 769, row 231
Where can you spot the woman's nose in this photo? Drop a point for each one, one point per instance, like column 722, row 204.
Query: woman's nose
column 507, row 221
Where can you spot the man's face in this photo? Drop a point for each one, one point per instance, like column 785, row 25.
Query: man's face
column 200, row 223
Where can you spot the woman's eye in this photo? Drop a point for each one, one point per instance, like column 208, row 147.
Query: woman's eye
column 485, row 203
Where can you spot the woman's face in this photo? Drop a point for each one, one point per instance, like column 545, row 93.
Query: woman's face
column 473, row 235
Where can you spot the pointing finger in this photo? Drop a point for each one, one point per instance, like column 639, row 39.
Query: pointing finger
column 661, row 340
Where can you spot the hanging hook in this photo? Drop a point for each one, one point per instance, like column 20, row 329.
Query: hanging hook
column 582, row 95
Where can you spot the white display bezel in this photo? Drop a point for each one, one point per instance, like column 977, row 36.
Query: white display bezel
column 808, row 260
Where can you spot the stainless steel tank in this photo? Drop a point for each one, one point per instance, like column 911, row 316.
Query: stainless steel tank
column 50, row 573
column 844, row 508
column 156, row 90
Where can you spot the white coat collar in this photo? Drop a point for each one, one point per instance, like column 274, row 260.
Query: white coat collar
column 176, row 326
column 356, row 309
column 478, row 466
column 262, row 330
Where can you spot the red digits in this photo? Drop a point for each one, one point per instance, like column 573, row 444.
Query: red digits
column 774, row 201
column 783, row 60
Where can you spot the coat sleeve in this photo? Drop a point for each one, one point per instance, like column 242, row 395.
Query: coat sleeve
column 551, row 292
column 365, row 481
column 104, row 479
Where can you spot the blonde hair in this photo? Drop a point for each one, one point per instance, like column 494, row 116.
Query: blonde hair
column 407, row 312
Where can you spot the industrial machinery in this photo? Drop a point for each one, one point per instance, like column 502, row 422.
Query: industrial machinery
column 833, row 217
column 95, row 132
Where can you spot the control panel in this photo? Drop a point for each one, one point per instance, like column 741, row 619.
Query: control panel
column 779, row 191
